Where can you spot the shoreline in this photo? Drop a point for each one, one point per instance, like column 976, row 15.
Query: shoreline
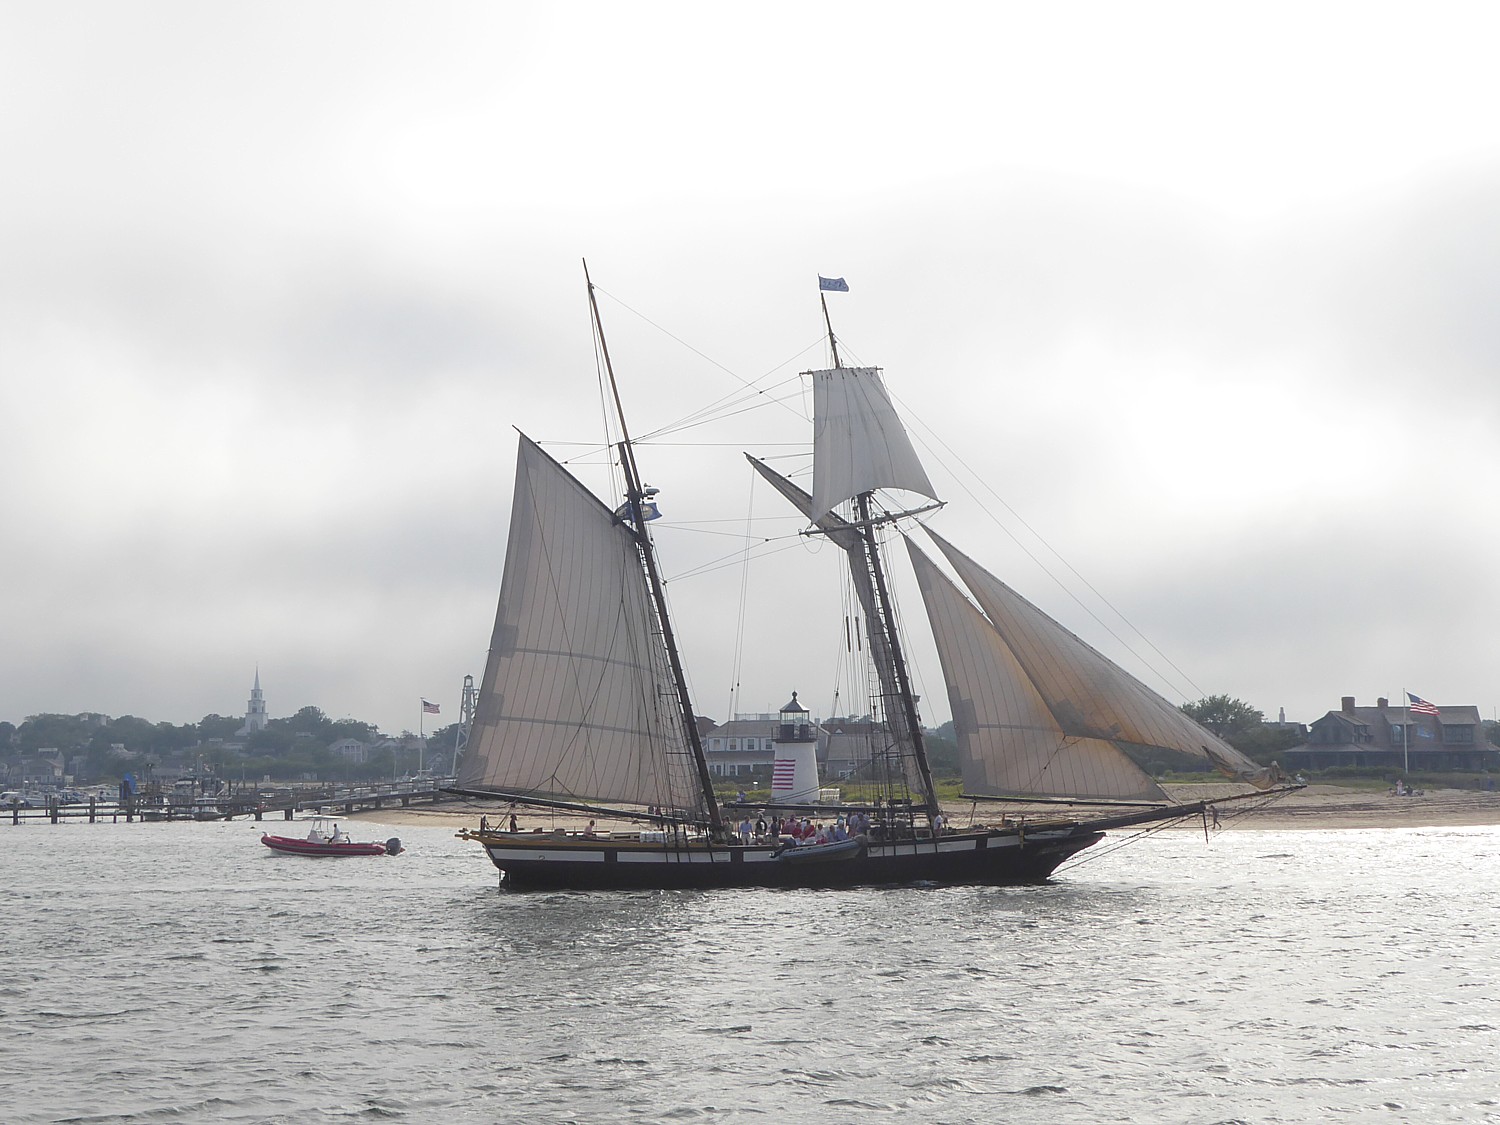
column 1315, row 807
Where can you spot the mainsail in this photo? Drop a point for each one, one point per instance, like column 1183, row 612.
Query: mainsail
column 577, row 701
column 859, row 443
column 1039, row 712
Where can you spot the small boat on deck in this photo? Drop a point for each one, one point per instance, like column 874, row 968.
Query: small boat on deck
column 321, row 842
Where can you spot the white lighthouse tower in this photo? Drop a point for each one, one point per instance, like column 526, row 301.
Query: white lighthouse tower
column 255, row 710
column 794, row 770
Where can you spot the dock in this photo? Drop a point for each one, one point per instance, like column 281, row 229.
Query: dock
column 336, row 800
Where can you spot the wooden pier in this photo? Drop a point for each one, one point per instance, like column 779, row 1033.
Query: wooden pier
column 337, row 800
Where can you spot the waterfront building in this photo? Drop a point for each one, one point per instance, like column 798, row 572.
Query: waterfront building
column 1390, row 737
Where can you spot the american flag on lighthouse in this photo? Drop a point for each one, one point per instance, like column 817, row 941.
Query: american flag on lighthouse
column 1420, row 706
column 783, row 774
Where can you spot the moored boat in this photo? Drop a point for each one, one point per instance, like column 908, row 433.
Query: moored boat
column 320, row 842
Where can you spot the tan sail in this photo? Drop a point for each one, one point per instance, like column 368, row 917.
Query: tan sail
column 1008, row 741
column 846, row 536
column 576, row 701
column 1088, row 695
column 859, row 443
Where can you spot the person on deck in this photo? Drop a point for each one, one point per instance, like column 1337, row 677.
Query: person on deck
column 514, row 825
column 338, row 836
column 745, row 831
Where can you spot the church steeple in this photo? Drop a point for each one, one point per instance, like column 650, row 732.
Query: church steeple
column 255, row 711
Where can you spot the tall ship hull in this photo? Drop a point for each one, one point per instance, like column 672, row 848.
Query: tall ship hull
column 570, row 862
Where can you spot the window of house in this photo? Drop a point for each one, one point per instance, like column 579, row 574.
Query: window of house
column 1462, row 735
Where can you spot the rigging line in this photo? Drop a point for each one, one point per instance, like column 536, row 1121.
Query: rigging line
column 727, row 560
column 596, row 329
column 729, row 534
column 739, row 631
column 703, row 418
column 1058, row 555
column 702, row 355
column 723, row 403
column 714, row 444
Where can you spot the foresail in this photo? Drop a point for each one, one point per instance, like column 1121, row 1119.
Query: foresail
column 1008, row 742
column 859, row 443
column 577, row 700
column 1087, row 694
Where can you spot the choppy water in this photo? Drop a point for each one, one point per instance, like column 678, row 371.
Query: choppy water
column 183, row 973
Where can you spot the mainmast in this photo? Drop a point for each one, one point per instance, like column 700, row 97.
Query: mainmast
column 635, row 495
column 868, row 570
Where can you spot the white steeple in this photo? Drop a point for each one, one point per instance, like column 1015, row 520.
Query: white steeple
column 255, row 712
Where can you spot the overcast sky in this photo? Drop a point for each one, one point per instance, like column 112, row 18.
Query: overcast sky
column 1205, row 296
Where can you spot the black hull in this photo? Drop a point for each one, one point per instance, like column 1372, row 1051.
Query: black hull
column 571, row 863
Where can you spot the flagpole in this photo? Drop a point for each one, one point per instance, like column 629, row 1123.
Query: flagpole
column 1405, row 733
column 421, row 732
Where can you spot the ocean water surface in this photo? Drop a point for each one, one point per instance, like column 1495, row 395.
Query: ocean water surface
column 183, row 973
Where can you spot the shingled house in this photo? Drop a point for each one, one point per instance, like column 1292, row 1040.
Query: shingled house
column 1386, row 737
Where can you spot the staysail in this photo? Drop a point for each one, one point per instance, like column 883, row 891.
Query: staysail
column 1041, row 712
column 859, row 443
column 1008, row 742
column 847, row 537
column 577, row 701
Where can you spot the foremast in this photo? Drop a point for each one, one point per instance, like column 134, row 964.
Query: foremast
column 635, row 495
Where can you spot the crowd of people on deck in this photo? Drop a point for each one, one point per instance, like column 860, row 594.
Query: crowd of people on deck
column 802, row 831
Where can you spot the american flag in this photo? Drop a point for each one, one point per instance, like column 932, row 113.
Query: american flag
column 783, row 774
column 433, row 709
column 1420, row 706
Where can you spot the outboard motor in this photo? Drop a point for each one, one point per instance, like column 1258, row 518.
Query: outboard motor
column 393, row 846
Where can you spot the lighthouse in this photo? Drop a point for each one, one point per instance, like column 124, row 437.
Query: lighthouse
column 794, row 770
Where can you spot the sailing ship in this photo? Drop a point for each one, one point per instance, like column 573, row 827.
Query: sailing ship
column 584, row 705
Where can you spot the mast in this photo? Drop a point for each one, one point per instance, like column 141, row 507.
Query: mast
column 901, row 678
column 895, row 680
column 634, row 494
column 832, row 340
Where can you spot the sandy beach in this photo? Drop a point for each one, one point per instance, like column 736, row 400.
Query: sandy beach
column 1317, row 806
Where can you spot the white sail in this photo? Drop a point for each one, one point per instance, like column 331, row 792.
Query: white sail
column 1087, row 695
column 1009, row 744
column 577, row 700
column 859, row 443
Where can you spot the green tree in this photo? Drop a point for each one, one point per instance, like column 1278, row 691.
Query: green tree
column 942, row 750
column 67, row 733
column 218, row 726
column 1223, row 715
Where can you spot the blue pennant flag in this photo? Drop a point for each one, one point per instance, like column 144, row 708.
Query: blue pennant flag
column 832, row 284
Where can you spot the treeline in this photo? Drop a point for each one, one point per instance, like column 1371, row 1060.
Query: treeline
column 289, row 747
